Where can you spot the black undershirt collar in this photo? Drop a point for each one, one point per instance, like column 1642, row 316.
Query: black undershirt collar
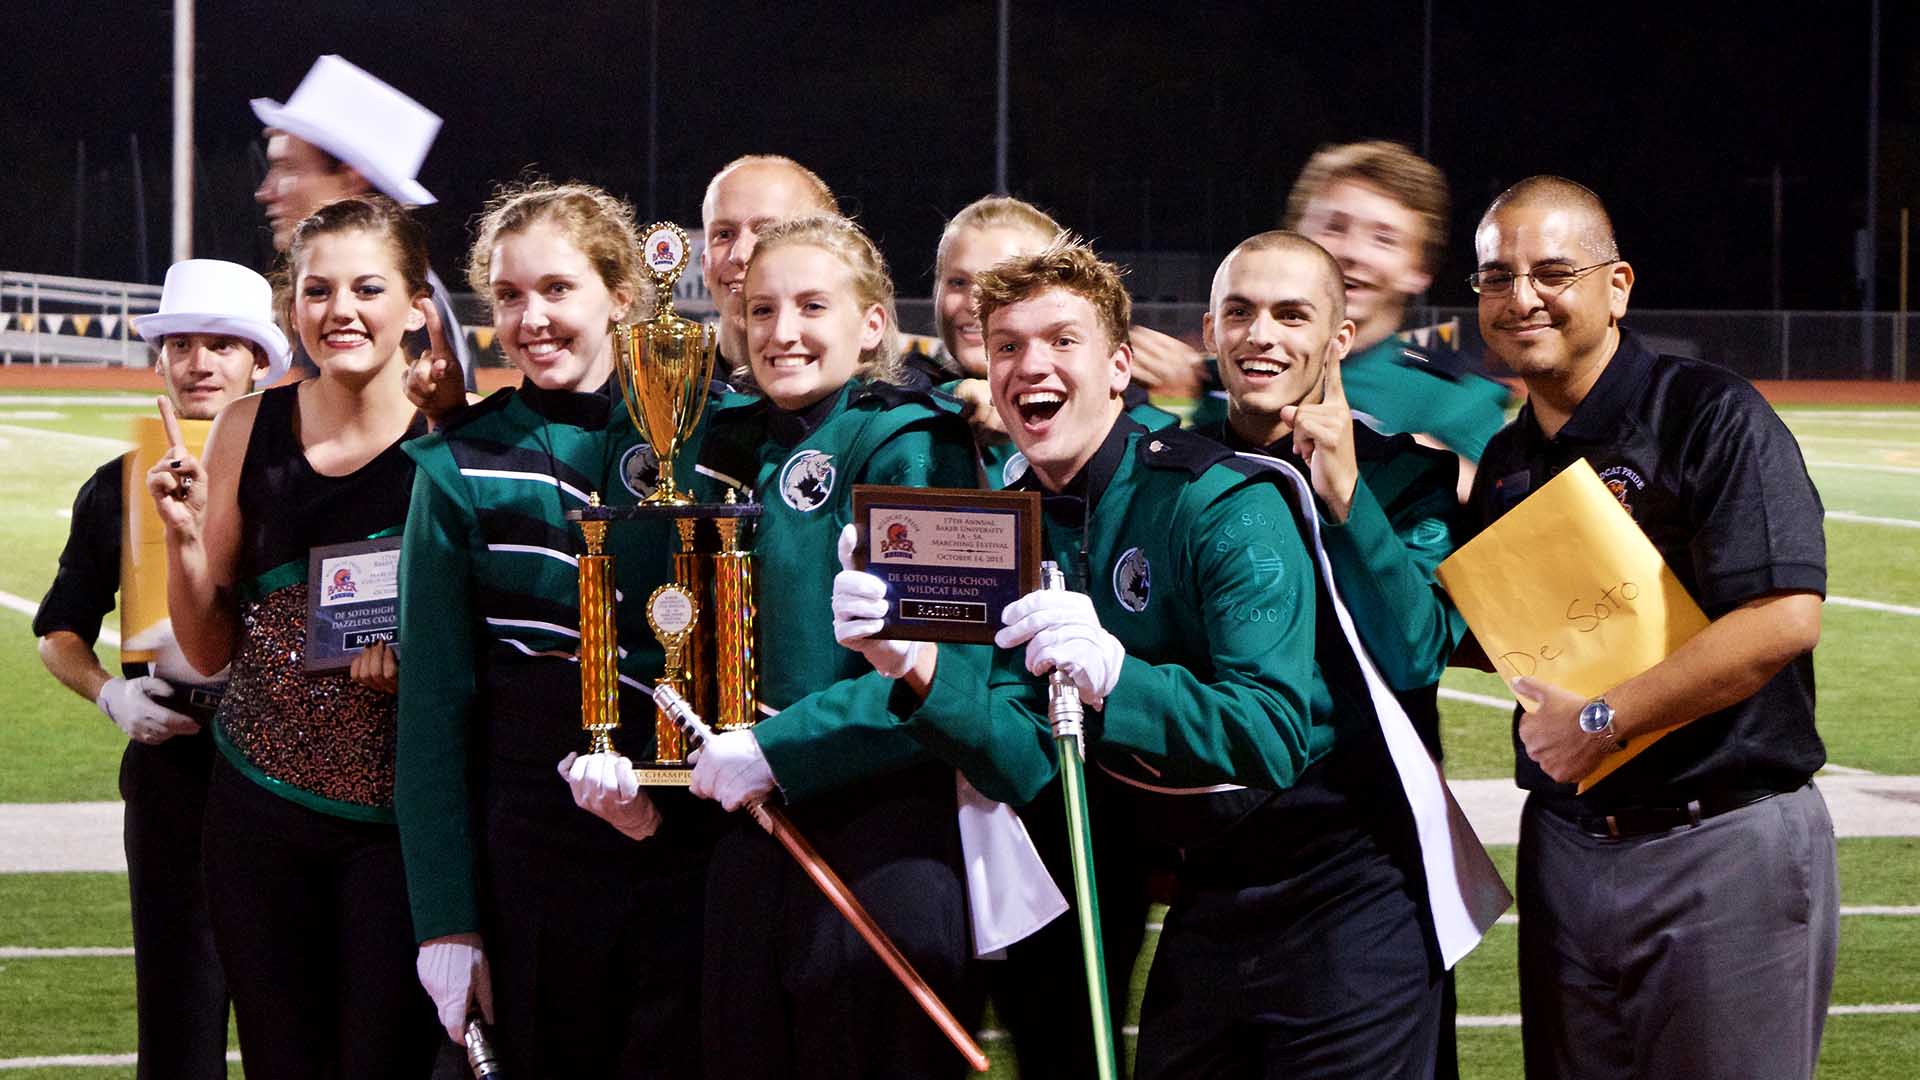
column 791, row 427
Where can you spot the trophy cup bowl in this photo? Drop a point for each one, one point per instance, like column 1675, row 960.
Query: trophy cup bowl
column 665, row 364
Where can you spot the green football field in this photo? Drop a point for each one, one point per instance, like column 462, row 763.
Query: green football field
column 66, row 979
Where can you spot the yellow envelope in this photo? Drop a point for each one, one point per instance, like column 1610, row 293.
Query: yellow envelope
column 143, row 539
column 1567, row 589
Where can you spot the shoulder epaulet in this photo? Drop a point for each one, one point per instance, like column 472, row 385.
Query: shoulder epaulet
column 1184, row 450
column 1443, row 363
column 892, row 395
column 467, row 414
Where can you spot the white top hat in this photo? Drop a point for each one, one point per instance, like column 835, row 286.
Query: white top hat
column 209, row 296
column 381, row 132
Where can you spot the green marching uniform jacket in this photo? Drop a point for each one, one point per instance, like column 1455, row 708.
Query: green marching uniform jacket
column 801, row 466
column 996, row 457
column 1401, row 525
column 489, row 625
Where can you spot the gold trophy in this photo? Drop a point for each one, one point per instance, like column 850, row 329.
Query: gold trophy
column 703, row 618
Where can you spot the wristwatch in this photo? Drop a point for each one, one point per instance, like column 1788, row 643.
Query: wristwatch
column 1596, row 719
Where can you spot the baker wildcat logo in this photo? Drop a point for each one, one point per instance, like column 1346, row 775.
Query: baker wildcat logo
column 897, row 542
column 1624, row 483
column 640, row 470
column 342, row 587
column 807, row 479
column 1132, row 580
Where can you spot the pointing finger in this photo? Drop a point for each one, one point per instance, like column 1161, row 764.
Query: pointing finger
column 170, row 424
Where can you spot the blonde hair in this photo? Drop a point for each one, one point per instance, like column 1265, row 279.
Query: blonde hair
column 1406, row 177
column 1067, row 263
column 993, row 212
column 867, row 270
column 598, row 223
column 822, row 194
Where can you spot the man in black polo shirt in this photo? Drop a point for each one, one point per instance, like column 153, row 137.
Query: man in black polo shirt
column 1679, row 918
column 214, row 333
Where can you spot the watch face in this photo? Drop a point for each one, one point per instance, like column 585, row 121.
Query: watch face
column 1595, row 716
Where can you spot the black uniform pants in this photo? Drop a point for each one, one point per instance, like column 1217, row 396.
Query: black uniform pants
column 1039, row 991
column 1322, row 971
column 310, row 916
column 594, row 942
column 181, row 992
column 791, row 991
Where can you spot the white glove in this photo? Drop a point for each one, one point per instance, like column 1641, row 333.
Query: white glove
column 1063, row 633
column 129, row 703
column 730, row 770
column 453, row 970
column 859, row 607
column 604, row 785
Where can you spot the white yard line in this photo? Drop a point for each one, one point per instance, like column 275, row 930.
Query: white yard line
column 1868, row 519
column 116, row 401
column 1855, row 440
column 27, row 952
column 84, row 1061
column 85, row 440
column 1873, row 605
column 1880, row 417
column 1491, row 702
column 1902, row 470
column 28, row 608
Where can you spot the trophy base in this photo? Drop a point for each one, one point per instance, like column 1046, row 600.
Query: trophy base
column 663, row 774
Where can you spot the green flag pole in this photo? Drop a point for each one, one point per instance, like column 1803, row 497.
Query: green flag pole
column 1068, row 720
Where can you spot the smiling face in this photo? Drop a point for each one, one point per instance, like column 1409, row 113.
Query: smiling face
column 205, row 371
column 806, row 324
column 1561, row 336
column 300, row 179
column 1273, row 323
column 351, row 303
column 968, row 253
column 1056, row 380
column 553, row 315
column 1378, row 243
column 739, row 207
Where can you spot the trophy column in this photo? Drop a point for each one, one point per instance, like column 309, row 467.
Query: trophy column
column 599, row 641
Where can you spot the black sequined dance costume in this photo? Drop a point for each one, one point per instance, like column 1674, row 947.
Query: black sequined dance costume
column 304, row 879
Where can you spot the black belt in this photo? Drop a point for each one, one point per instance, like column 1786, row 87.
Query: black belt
column 1646, row 820
column 199, row 702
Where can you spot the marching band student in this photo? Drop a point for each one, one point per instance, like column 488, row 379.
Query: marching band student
column 304, row 881
column 790, row 989
column 581, row 941
column 1387, row 504
column 987, row 231
column 1191, row 634
column 746, row 196
column 214, row 333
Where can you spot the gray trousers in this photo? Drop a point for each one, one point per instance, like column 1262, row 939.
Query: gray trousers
column 1702, row 952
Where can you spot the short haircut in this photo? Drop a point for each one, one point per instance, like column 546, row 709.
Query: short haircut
column 1067, row 263
column 1288, row 240
column 1406, row 177
column 822, row 194
column 600, row 224
column 374, row 213
column 1559, row 193
column 994, row 212
column 872, row 284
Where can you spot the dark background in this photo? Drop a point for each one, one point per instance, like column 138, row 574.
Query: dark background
column 1163, row 127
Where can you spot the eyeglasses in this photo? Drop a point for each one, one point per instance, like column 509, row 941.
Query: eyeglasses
column 1549, row 279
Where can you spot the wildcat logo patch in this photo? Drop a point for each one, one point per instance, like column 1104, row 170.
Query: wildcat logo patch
column 806, row 480
column 640, row 470
column 1132, row 580
column 1624, row 483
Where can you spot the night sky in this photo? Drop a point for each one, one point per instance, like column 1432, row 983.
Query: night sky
column 1148, row 127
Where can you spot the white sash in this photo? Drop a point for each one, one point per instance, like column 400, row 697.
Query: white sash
column 1010, row 894
column 1464, row 891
